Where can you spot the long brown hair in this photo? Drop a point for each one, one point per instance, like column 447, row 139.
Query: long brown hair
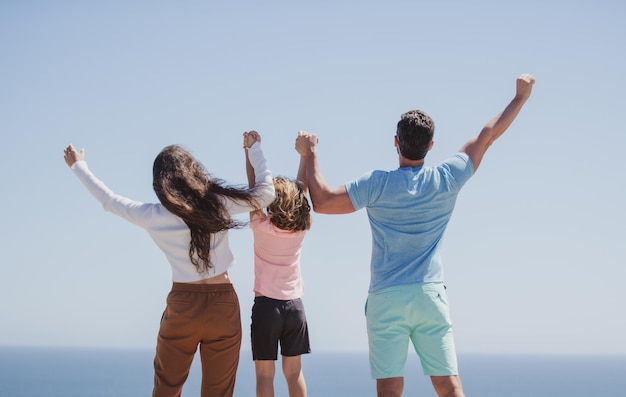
column 187, row 190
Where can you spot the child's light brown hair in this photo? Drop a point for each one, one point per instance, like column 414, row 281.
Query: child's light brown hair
column 290, row 210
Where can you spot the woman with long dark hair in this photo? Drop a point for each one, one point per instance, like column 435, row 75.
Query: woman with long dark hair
column 190, row 225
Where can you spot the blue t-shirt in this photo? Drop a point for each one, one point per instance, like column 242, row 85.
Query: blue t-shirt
column 408, row 210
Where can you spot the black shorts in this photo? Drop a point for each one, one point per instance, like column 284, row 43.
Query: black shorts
column 274, row 321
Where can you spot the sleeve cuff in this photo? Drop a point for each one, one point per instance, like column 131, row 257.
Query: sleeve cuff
column 79, row 164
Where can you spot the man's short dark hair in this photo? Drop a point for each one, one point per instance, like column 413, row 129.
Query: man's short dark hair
column 415, row 132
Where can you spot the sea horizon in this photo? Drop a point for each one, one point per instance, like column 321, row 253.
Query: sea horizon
column 53, row 371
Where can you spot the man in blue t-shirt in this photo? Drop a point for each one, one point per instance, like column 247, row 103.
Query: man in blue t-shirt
column 409, row 209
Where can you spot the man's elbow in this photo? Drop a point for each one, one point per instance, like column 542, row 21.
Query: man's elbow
column 332, row 207
column 321, row 206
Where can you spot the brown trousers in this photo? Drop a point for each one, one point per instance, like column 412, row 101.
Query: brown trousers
column 198, row 314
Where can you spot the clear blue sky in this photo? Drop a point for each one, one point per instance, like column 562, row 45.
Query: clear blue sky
column 534, row 256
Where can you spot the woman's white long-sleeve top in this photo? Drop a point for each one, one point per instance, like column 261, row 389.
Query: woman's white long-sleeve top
column 169, row 232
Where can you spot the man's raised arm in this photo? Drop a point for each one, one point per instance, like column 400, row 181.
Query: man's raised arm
column 324, row 199
column 478, row 145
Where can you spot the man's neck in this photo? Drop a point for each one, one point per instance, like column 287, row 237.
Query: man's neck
column 404, row 162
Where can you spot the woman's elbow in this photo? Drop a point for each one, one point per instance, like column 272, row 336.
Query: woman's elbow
column 266, row 197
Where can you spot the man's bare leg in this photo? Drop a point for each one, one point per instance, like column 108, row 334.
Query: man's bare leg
column 390, row 387
column 447, row 386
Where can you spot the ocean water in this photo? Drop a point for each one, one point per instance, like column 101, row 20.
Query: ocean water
column 67, row 372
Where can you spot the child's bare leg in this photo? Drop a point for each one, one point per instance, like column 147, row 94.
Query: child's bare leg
column 292, row 369
column 265, row 371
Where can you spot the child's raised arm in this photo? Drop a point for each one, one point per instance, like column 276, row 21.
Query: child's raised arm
column 302, row 174
column 249, row 139
column 249, row 168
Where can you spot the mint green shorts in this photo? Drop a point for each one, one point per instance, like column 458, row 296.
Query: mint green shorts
column 414, row 312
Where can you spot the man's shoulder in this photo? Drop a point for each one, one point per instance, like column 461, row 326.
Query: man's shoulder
column 458, row 162
column 458, row 157
column 369, row 177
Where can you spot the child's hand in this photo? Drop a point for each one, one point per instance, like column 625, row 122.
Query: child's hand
column 249, row 138
column 305, row 143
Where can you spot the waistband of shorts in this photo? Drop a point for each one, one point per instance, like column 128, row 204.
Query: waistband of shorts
column 410, row 287
column 261, row 298
column 188, row 287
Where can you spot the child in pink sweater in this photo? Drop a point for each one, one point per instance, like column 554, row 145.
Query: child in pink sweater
column 278, row 313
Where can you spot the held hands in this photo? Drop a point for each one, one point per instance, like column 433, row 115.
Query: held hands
column 71, row 155
column 249, row 138
column 305, row 143
column 524, row 86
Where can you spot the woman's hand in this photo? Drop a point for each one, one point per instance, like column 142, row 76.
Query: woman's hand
column 249, row 138
column 71, row 155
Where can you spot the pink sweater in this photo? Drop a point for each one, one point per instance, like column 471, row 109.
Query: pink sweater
column 276, row 260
